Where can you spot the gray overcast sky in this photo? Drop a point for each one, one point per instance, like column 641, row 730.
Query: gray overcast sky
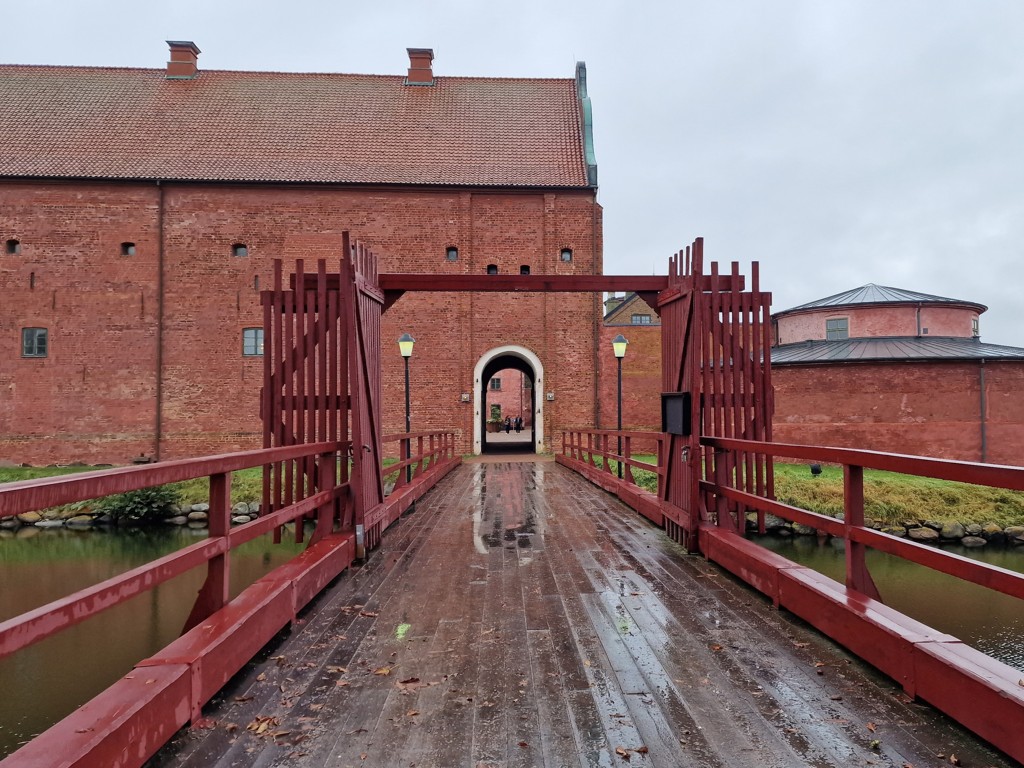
column 838, row 142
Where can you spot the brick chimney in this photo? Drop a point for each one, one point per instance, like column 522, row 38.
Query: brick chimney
column 184, row 60
column 420, row 60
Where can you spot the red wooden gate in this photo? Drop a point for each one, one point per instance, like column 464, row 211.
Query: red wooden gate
column 321, row 362
column 715, row 346
column 364, row 304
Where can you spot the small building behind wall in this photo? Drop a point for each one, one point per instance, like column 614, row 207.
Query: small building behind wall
column 134, row 242
column 888, row 369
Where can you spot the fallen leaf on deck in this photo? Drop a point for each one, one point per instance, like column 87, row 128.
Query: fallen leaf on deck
column 261, row 677
column 523, row 744
column 586, row 662
column 641, row 750
column 369, row 614
column 203, row 723
column 341, row 684
column 954, row 760
column 412, row 713
column 819, row 664
column 800, row 645
column 871, row 727
column 243, row 698
column 716, row 647
column 409, row 681
column 382, row 671
column 338, row 670
column 363, row 755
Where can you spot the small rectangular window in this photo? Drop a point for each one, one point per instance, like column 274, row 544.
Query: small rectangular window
column 252, row 342
column 496, row 384
column 127, row 249
column 641, row 320
column 241, row 250
column 34, row 342
column 837, row 329
column 975, row 327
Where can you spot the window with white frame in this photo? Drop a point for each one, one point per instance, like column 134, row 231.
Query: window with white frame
column 252, row 342
column 34, row 342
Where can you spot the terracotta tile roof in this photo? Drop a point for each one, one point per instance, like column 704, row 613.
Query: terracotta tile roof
column 878, row 294
column 285, row 127
column 891, row 349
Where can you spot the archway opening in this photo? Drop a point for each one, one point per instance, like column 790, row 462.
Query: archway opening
column 508, row 414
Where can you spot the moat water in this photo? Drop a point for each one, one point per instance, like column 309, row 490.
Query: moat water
column 45, row 682
column 987, row 620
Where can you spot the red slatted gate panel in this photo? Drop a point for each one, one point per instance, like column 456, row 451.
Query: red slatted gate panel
column 365, row 302
column 305, row 384
column 715, row 345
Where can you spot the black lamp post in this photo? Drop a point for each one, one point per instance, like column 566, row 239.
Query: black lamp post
column 619, row 348
column 405, row 343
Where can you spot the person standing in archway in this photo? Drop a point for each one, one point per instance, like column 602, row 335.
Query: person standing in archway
column 508, row 424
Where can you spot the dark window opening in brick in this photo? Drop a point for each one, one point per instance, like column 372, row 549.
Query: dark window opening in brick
column 566, row 254
column 492, row 269
column 252, row 342
column 127, row 249
column 524, row 270
column 240, row 249
column 452, row 254
column 496, row 384
column 13, row 247
column 641, row 320
column 837, row 328
column 34, row 342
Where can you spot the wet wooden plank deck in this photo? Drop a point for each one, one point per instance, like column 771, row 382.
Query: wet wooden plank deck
column 522, row 617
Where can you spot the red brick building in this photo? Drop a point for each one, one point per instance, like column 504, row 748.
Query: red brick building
column 875, row 368
column 631, row 316
column 141, row 210
column 894, row 370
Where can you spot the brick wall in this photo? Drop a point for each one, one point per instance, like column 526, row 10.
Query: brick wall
column 934, row 410
column 94, row 397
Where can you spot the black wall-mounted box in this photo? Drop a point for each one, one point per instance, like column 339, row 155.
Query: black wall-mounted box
column 675, row 413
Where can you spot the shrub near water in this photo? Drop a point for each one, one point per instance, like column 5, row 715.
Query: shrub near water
column 145, row 505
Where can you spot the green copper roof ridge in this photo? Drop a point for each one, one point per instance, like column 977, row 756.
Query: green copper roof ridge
column 588, row 123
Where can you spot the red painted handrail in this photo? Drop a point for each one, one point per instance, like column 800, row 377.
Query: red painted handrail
column 852, row 529
column 29, row 495
column 431, row 449
column 585, row 445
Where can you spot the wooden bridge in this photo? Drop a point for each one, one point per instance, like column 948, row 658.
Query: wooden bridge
column 524, row 613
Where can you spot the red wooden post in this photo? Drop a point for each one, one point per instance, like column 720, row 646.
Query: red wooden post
column 326, row 480
column 857, row 575
column 215, row 590
column 627, row 452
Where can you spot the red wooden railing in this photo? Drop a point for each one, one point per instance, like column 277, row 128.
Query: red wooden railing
column 592, row 451
column 432, row 448
column 851, row 528
column 589, row 445
column 220, row 635
column 31, row 495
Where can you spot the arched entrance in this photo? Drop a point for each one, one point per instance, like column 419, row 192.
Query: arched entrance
column 497, row 359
